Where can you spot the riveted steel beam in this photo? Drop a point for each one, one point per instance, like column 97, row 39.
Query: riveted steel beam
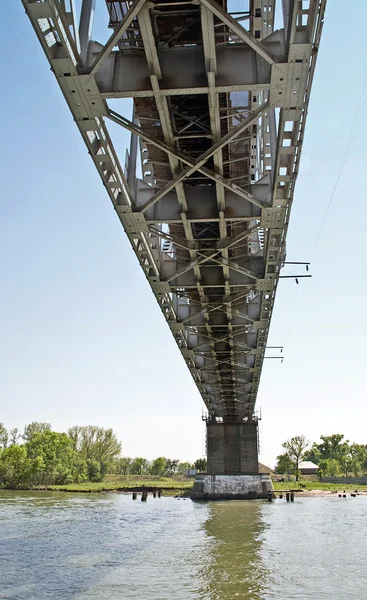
column 207, row 221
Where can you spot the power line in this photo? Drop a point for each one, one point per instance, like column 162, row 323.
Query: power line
column 359, row 111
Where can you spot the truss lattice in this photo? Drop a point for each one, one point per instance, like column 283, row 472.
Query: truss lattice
column 220, row 105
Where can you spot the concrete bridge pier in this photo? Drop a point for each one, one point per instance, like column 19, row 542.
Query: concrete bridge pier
column 233, row 465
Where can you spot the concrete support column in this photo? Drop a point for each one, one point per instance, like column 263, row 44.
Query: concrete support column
column 232, row 449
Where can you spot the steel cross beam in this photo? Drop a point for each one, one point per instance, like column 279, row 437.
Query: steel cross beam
column 203, row 158
column 124, row 122
column 211, row 241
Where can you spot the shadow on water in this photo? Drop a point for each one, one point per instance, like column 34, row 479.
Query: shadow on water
column 235, row 569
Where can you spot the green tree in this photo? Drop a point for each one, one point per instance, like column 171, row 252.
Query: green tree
column 15, row 467
column 183, row 467
column 139, row 466
column 200, row 464
column 295, row 448
column 14, row 436
column 285, row 464
column 123, row 465
column 158, row 466
column 55, row 455
column 358, row 455
column 94, row 470
column 332, row 446
column 4, row 436
column 35, row 427
column 171, row 467
column 95, row 442
column 313, row 454
column 330, row 466
column 78, row 472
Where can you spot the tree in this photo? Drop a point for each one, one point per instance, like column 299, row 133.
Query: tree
column 332, row 446
column 183, row 467
column 14, row 436
column 94, row 470
column 358, row 454
column 15, row 467
column 200, row 464
column 35, row 427
column 171, row 467
column 139, row 466
column 329, row 466
column 55, row 456
column 285, row 464
column 123, row 465
column 313, row 454
column 4, row 436
column 158, row 466
column 95, row 442
column 295, row 448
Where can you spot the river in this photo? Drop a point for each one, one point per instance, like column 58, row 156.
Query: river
column 92, row 546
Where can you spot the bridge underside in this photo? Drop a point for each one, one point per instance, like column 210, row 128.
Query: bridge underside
column 220, row 104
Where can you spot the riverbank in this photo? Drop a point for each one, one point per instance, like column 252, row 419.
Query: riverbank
column 181, row 486
column 169, row 486
column 316, row 486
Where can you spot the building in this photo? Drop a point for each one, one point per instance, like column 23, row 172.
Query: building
column 266, row 470
column 308, row 468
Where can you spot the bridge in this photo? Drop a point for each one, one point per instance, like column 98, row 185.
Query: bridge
column 220, row 100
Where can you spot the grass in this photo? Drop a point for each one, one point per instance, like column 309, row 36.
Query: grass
column 182, row 486
column 316, row 485
column 126, row 483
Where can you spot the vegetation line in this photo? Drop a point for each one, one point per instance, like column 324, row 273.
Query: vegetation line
column 88, row 458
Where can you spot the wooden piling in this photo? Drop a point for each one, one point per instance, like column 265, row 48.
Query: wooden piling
column 135, row 495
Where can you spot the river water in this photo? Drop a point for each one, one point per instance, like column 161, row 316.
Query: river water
column 92, row 546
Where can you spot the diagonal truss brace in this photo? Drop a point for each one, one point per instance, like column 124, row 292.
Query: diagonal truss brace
column 237, row 28
column 127, row 124
column 203, row 158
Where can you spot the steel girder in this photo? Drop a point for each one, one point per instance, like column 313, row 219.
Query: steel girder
column 220, row 112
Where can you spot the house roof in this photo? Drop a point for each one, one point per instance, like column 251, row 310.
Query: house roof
column 264, row 469
column 307, row 464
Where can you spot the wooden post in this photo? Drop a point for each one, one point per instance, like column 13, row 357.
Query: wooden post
column 292, row 497
column 135, row 495
column 287, row 496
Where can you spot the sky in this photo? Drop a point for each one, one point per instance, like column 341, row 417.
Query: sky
column 82, row 338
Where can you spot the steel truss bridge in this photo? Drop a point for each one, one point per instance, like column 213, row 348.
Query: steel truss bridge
column 220, row 104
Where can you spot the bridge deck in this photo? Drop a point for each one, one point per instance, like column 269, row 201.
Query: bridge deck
column 220, row 105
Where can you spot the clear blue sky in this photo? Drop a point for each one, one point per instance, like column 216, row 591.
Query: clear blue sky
column 82, row 338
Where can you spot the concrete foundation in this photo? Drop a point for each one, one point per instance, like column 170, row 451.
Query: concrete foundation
column 231, row 487
column 232, row 448
column 233, row 464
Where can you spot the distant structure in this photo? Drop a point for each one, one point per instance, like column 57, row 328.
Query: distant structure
column 220, row 101
column 308, row 468
column 265, row 470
